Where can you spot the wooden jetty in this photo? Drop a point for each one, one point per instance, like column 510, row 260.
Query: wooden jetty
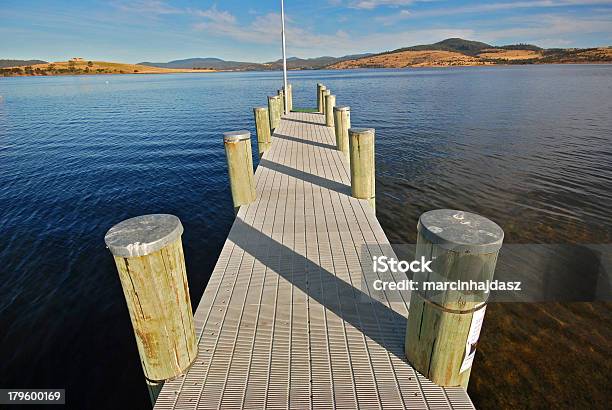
column 289, row 319
column 284, row 322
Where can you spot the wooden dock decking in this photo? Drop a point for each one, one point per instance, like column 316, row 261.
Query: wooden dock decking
column 284, row 322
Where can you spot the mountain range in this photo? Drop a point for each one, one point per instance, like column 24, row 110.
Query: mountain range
column 293, row 63
column 452, row 51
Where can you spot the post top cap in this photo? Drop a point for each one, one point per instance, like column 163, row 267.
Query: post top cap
column 361, row 131
column 235, row 136
column 319, row 84
column 342, row 108
column 323, row 87
column 143, row 235
column 327, row 91
column 461, row 231
column 272, row 97
column 260, row 108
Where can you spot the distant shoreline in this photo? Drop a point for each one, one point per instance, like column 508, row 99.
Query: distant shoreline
column 205, row 71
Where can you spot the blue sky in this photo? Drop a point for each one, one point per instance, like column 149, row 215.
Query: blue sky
column 163, row 30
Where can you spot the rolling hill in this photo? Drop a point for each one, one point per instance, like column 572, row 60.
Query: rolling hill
column 293, row 63
column 460, row 52
column 88, row 67
column 17, row 63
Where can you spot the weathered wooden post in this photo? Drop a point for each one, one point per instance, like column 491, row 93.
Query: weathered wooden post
column 444, row 325
column 330, row 103
column 281, row 94
column 321, row 99
column 342, row 123
column 320, row 88
column 289, row 97
column 363, row 175
column 240, row 167
column 262, row 125
column 326, row 92
column 274, row 111
column 149, row 258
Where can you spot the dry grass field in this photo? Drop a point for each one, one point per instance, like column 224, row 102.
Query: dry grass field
column 99, row 67
column 411, row 59
column 510, row 55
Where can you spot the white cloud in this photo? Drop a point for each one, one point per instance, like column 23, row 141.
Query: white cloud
column 372, row 4
column 151, row 7
column 215, row 15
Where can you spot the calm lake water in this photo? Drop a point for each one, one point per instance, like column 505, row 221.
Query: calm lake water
column 529, row 147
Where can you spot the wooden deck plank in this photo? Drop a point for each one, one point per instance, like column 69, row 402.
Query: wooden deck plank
column 284, row 322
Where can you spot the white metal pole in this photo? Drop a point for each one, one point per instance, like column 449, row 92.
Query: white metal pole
column 284, row 53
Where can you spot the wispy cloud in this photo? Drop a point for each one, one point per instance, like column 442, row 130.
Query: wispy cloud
column 215, row 15
column 150, row 7
column 372, row 4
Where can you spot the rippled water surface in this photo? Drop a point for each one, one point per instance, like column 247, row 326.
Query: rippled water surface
column 529, row 147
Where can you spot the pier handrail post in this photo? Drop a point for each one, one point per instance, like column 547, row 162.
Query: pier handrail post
column 320, row 88
column 326, row 92
column 443, row 326
column 240, row 167
column 342, row 123
column 274, row 111
column 262, row 125
column 149, row 257
column 330, row 103
column 363, row 173
column 289, row 97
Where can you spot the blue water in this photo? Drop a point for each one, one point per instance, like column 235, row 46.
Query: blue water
column 529, row 147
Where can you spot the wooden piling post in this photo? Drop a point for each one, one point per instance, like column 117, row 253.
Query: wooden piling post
column 262, row 125
column 281, row 94
column 149, row 257
column 240, row 167
column 363, row 175
column 443, row 326
column 330, row 103
column 342, row 123
column 289, row 97
column 320, row 90
column 274, row 111
column 326, row 92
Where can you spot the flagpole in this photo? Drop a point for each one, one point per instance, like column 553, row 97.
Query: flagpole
column 284, row 53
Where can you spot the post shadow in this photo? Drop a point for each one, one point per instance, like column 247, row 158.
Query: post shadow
column 305, row 122
column 304, row 141
column 347, row 302
column 305, row 176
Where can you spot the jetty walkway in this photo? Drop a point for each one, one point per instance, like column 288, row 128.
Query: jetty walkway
column 284, row 321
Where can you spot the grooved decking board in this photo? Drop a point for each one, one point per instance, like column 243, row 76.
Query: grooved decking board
column 284, row 321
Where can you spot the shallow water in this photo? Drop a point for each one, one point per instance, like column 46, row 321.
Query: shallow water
column 529, row 147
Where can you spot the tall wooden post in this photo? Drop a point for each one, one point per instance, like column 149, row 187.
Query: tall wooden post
column 326, row 92
column 342, row 123
column 281, row 94
column 274, row 111
column 443, row 326
column 289, row 97
column 320, row 91
column 363, row 175
column 149, row 257
column 262, row 125
column 240, row 167
column 330, row 103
